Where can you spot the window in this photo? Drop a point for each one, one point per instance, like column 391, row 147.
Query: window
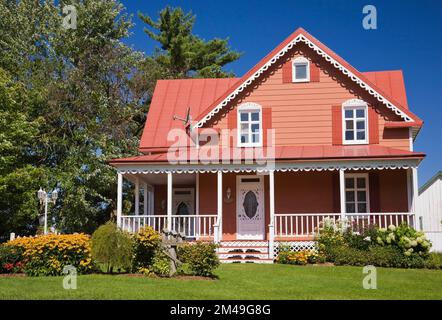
column 356, row 193
column 249, row 125
column 355, row 122
column 301, row 70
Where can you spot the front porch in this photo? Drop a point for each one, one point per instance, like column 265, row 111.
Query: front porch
column 242, row 210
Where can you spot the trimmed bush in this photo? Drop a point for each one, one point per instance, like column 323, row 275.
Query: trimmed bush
column 161, row 264
column 200, row 257
column 146, row 242
column 112, row 248
column 46, row 255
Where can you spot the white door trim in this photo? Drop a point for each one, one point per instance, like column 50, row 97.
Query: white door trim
column 260, row 234
column 177, row 199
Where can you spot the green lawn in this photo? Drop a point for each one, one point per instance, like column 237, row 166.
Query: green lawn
column 238, row 282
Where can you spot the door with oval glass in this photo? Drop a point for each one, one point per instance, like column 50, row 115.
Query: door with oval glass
column 183, row 208
column 250, row 207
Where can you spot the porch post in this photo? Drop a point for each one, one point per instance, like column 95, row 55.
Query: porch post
column 137, row 196
column 220, row 205
column 145, row 199
column 119, row 198
column 272, row 212
column 414, row 195
column 342, row 192
column 169, row 201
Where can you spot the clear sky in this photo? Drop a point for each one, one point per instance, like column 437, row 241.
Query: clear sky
column 408, row 37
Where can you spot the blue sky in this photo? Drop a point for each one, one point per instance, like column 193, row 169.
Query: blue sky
column 408, row 37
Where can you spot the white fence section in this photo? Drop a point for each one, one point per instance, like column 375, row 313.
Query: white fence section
column 294, row 225
column 191, row 226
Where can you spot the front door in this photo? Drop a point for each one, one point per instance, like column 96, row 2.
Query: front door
column 250, row 207
column 183, row 208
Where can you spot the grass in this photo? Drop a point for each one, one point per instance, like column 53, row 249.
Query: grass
column 250, row 281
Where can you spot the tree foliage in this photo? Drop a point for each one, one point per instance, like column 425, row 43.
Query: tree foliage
column 183, row 53
column 72, row 99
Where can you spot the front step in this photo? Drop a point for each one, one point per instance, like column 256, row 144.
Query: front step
column 244, row 251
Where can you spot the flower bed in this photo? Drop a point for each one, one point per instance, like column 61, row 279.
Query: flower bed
column 49, row 254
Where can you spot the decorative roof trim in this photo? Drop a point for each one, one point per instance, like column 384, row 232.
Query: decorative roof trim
column 282, row 167
column 322, row 53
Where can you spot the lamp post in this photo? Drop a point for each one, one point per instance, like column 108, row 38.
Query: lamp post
column 44, row 197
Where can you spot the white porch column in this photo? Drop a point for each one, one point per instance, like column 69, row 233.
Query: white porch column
column 414, row 195
column 197, row 195
column 119, row 198
column 342, row 192
column 145, row 199
column 272, row 212
column 169, row 201
column 220, row 205
column 137, row 196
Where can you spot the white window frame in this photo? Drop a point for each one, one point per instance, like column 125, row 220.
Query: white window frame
column 249, row 107
column 355, row 189
column 300, row 61
column 354, row 104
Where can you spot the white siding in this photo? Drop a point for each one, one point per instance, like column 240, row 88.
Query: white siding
column 430, row 209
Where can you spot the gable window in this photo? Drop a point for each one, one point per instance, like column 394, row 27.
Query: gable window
column 356, row 193
column 249, row 125
column 301, row 70
column 355, row 122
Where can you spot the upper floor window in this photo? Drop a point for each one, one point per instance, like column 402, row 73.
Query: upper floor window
column 249, row 125
column 355, row 122
column 301, row 70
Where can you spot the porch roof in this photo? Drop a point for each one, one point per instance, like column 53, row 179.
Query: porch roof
column 281, row 153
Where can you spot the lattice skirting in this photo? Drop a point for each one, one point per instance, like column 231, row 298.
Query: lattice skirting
column 250, row 243
column 295, row 245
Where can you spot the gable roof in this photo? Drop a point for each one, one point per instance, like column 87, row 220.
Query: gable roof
column 431, row 181
column 300, row 35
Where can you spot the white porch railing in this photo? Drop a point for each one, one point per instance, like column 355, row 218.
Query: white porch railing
column 192, row 226
column 306, row 224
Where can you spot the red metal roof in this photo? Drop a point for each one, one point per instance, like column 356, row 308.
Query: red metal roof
column 300, row 153
column 173, row 97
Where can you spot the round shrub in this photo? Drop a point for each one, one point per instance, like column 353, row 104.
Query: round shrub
column 112, row 247
column 146, row 242
column 46, row 255
column 200, row 257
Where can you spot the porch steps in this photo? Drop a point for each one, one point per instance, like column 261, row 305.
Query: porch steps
column 241, row 251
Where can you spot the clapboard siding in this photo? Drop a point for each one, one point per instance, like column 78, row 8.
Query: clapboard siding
column 430, row 208
column 301, row 112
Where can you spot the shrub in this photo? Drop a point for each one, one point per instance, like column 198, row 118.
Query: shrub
column 200, row 256
column 287, row 256
column 146, row 242
column 112, row 247
column 434, row 261
column 161, row 264
column 46, row 255
column 11, row 259
column 405, row 238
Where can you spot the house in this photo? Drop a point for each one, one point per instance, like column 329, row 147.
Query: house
column 254, row 161
column 430, row 210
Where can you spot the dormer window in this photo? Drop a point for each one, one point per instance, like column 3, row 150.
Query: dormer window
column 249, row 125
column 300, row 70
column 355, row 122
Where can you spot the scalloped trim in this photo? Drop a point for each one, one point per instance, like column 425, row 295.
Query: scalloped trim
column 322, row 53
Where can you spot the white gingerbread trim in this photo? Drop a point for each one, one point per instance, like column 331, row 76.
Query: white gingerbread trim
column 283, row 167
column 322, row 53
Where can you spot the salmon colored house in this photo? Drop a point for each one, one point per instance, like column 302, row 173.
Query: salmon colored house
column 264, row 158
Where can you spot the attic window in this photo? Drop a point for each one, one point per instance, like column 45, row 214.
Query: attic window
column 301, row 70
